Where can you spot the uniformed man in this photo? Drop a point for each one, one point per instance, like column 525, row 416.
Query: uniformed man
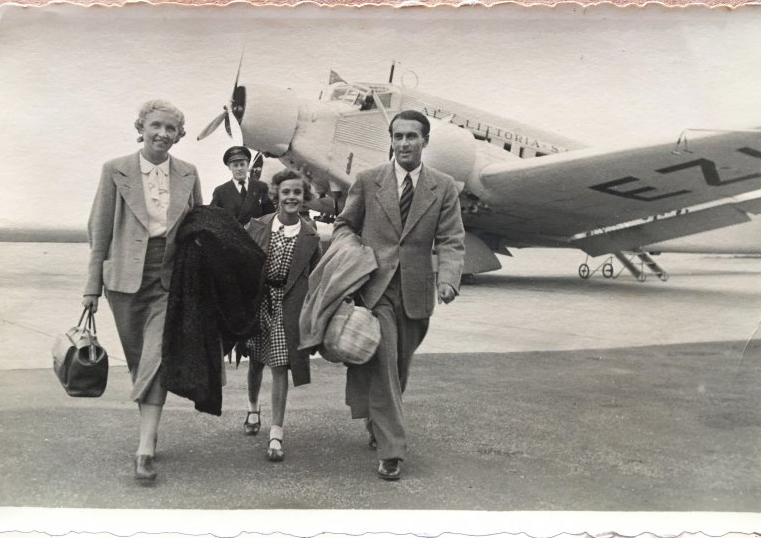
column 242, row 198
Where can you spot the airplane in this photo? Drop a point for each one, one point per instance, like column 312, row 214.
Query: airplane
column 519, row 186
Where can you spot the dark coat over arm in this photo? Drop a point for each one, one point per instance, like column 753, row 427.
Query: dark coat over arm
column 213, row 300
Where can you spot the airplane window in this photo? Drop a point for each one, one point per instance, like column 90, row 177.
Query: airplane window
column 367, row 103
column 385, row 99
column 350, row 95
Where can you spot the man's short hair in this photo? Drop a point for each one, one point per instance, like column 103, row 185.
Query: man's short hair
column 413, row 115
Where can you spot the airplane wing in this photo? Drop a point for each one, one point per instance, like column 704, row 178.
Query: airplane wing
column 603, row 201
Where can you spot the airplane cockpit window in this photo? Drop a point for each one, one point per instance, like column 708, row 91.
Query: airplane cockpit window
column 346, row 94
column 385, row 99
column 362, row 100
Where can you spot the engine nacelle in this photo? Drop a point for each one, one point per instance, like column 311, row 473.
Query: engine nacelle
column 269, row 119
column 451, row 150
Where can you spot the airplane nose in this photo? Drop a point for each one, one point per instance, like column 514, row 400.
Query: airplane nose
column 269, row 119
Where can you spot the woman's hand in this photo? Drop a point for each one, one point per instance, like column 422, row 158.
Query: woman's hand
column 90, row 301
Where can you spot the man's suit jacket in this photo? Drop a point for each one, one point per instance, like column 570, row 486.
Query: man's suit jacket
column 306, row 256
column 434, row 224
column 118, row 224
column 256, row 203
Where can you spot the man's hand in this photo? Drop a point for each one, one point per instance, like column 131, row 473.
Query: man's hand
column 446, row 293
column 90, row 300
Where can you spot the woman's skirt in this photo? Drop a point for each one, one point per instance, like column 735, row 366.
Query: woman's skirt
column 139, row 319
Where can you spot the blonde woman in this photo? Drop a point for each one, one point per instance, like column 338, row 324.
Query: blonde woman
column 140, row 202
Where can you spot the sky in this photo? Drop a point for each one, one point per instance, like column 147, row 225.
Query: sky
column 73, row 78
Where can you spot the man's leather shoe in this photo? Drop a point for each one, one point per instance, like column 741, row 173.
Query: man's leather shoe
column 144, row 468
column 390, row 469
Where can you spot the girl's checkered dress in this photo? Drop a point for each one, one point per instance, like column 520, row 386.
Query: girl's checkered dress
column 270, row 346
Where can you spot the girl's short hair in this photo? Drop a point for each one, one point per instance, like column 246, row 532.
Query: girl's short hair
column 163, row 106
column 287, row 174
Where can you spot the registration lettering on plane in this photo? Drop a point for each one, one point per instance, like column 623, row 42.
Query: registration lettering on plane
column 647, row 193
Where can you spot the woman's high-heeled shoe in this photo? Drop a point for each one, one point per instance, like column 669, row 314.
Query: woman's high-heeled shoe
column 252, row 428
column 275, row 453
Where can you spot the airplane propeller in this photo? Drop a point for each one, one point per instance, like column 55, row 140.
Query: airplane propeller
column 236, row 107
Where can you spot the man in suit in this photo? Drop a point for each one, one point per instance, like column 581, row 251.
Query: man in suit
column 404, row 211
column 242, row 199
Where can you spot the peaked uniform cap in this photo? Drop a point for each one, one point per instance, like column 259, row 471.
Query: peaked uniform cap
column 236, row 153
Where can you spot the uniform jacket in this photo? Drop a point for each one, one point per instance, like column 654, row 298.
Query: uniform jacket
column 118, row 224
column 434, row 225
column 256, row 203
column 306, row 255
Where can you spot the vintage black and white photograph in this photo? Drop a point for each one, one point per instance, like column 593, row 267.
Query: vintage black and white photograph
column 382, row 270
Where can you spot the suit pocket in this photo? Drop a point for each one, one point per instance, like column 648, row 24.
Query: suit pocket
column 108, row 270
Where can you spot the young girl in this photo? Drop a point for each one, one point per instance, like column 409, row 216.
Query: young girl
column 293, row 249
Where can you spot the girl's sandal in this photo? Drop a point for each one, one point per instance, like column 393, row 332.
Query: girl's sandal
column 275, row 453
column 252, row 428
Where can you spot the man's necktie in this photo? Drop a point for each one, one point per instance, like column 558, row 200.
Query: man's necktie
column 242, row 189
column 406, row 199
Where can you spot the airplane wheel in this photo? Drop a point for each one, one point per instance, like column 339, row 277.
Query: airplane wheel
column 664, row 276
column 584, row 270
column 607, row 270
column 642, row 277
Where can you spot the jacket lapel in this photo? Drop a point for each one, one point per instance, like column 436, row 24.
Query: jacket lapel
column 248, row 202
column 306, row 242
column 260, row 230
column 181, row 181
column 388, row 196
column 129, row 183
column 231, row 197
column 423, row 198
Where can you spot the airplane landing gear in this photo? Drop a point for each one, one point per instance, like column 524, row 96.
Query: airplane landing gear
column 607, row 269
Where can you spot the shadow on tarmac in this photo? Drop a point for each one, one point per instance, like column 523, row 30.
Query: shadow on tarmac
column 664, row 428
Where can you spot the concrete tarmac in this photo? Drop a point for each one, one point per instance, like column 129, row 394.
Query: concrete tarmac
column 534, row 390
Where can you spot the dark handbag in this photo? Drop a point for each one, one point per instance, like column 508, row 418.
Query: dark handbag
column 79, row 361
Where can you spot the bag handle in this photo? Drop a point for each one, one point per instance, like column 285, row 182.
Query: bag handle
column 79, row 323
column 90, row 321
